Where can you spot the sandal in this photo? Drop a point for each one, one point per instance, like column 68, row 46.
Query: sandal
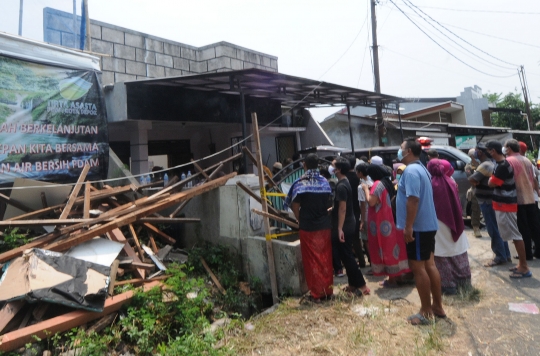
column 494, row 263
column 356, row 291
column 422, row 320
column 517, row 274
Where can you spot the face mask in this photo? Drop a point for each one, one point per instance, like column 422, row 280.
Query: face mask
column 504, row 151
column 476, row 155
column 400, row 155
column 331, row 170
column 398, row 176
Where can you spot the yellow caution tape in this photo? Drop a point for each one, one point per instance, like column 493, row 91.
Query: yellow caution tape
column 275, row 236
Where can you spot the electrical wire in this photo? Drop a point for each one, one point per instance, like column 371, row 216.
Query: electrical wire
column 470, row 44
column 447, row 51
column 487, row 35
column 486, row 11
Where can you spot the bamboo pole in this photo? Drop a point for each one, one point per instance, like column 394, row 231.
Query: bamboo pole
column 269, row 247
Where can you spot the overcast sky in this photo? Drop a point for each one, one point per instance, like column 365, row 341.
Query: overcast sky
column 330, row 40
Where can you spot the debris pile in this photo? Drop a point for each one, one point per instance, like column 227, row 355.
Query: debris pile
column 65, row 277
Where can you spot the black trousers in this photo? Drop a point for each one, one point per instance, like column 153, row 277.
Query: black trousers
column 345, row 252
column 528, row 221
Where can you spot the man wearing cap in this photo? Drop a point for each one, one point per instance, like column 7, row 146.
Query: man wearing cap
column 475, row 208
column 483, row 193
column 526, row 186
column 505, row 204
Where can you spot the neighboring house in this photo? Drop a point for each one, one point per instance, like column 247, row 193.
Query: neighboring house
column 442, row 119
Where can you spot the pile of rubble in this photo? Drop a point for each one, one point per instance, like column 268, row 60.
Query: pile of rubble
column 65, row 278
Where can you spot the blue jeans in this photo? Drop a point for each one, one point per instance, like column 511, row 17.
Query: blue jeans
column 498, row 246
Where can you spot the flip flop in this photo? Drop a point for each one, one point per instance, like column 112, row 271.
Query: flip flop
column 357, row 291
column 440, row 316
column 512, row 269
column 422, row 320
column 494, row 263
column 517, row 274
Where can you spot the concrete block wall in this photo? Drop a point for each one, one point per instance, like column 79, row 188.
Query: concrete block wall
column 130, row 55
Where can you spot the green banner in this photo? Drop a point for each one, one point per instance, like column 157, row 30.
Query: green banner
column 52, row 123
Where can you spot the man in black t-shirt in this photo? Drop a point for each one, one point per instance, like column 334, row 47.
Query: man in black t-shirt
column 344, row 228
column 310, row 199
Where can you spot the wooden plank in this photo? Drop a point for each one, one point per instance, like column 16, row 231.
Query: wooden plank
column 213, row 276
column 86, row 205
column 19, row 338
column 112, row 276
column 39, row 311
column 276, row 218
column 137, row 243
column 9, row 311
column 26, row 318
column 269, row 247
column 145, row 266
column 215, row 172
column 75, row 192
column 164, row 252
column 170, row 220
column 179, row 209
column 266, row 176
column 101, row 324
column 185, row 181
column 257, row 198
column 95, row 196
column 152, row 242
column 116, row 235
column 140, row 281
column 198, row 168
column 160, row 233
column 43, row 222
column 14, row 203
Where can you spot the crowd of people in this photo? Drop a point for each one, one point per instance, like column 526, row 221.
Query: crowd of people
column 411, row 228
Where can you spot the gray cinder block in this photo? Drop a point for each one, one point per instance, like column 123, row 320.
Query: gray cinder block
column 142, row 55
column 154, row 45
column 181, row 63
column 164, row 60
column 134, row 40
column 155, row 71
column 111, row 35
column 137, row 68
column 124, row 52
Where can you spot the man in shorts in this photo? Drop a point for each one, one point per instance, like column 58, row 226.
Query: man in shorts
column 505, row 204
column 416, row 215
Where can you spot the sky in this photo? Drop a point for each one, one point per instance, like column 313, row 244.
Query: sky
column 331, row 40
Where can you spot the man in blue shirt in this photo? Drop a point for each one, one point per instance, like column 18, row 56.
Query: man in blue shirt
column 416, row 216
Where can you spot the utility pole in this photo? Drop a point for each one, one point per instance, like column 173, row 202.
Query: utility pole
column 380, row 121
column 20, row 17
column 88, row 29
column 523, row 81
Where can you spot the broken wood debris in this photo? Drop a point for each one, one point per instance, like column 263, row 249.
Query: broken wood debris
column 76, row 226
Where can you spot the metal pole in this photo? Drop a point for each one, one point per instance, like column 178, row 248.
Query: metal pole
column 244, row 127
column 75, row 23
column 350, row 128
column 380, row 121
column 399, row 118
column 20, row 17
column 88, row 32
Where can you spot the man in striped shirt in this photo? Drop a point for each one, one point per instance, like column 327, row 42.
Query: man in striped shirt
column 483, row 193
column 505, row 205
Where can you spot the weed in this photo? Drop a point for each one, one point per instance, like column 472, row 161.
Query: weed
column 13, row 239
column 361, row 336
column 469, row 293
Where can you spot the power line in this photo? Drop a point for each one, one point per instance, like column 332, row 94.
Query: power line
column 470, row 44
column 485, row 34
column 447, row 51
column 487, row 11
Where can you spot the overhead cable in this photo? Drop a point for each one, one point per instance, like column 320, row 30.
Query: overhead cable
column 487, row 11
column 447, row 51
column 470, row 44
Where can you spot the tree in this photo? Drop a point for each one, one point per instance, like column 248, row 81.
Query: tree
column 514, row 120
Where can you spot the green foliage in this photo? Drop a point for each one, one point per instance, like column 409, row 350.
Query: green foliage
column 12, row 239
column 512, row 120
